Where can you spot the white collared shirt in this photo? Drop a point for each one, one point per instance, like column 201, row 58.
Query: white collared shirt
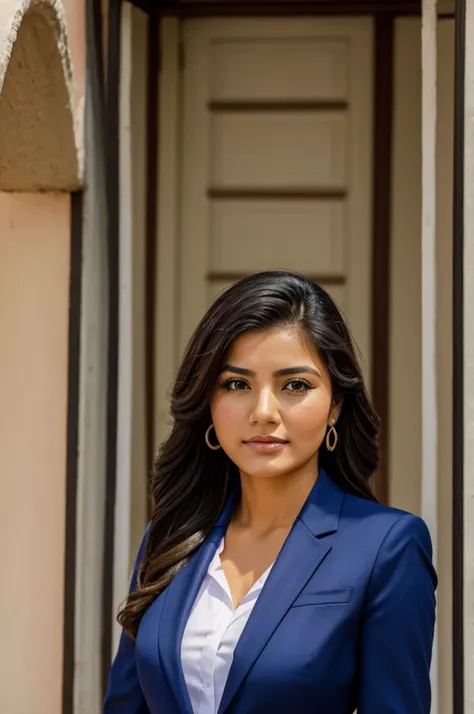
column 211, row 635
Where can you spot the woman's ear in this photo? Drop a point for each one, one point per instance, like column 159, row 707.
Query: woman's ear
column 334, row 414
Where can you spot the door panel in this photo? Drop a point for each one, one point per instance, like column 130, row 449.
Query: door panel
column 278, row 64
column 278, row 149
column 265, row 163
column 283, row 230
column 276, row 159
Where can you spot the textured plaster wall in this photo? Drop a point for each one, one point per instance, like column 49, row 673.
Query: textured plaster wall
column 41, row 100
column 34, row 296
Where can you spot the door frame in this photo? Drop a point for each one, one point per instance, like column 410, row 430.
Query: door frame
column 382, row 158
column 384, row 14
column 184, row 9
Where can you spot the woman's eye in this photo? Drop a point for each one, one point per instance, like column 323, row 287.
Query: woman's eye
column 235, row 385
column 297, row 385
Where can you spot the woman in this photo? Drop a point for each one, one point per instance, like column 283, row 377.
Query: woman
column 269, row 579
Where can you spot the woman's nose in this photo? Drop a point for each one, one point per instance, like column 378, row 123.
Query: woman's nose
column 266, row 408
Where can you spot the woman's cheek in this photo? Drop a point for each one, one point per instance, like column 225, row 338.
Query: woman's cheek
column 226, row 411
column 310, row 419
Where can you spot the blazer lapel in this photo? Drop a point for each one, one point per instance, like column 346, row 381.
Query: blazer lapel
column 179, row 600
column 299, row 558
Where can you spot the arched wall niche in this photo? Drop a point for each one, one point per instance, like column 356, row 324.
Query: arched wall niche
column 39, row 142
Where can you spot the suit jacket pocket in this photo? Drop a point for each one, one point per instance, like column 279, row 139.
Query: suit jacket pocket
column 324, row 597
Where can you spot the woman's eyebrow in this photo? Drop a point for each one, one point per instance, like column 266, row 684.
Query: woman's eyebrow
column 237, row 370
column 299, row 369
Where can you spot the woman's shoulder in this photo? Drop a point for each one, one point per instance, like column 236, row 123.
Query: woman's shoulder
column 379, row 520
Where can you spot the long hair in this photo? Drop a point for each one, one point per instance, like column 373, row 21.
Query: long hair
column 190, row 482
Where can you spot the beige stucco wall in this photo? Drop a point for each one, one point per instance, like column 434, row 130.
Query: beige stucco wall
column 34, row 292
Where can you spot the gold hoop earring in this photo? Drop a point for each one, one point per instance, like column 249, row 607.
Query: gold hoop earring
column 206, row 439
column 331, row 438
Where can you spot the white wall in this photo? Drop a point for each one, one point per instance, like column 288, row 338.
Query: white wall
column 34, row 318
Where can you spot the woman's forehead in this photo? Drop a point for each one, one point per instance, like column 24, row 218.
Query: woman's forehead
column 274, row 346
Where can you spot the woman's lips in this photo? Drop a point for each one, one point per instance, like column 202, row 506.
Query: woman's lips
column 265, row 444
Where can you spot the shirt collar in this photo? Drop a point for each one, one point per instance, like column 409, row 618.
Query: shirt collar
column 215, row 565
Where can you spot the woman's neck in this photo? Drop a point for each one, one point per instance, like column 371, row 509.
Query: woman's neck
column 269, row 504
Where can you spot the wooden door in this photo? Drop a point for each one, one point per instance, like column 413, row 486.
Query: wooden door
column 274, row 145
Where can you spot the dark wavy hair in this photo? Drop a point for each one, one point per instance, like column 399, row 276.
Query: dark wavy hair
column 190, row 483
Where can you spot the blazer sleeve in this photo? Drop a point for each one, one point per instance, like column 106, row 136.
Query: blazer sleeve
column 398, row 621
column 124, row 693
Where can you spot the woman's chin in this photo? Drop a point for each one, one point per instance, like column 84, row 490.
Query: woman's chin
column 267, row 468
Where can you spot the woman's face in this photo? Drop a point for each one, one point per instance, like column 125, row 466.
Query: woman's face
column 273, row 404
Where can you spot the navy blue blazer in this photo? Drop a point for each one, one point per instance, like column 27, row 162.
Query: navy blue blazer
column 345, row 620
